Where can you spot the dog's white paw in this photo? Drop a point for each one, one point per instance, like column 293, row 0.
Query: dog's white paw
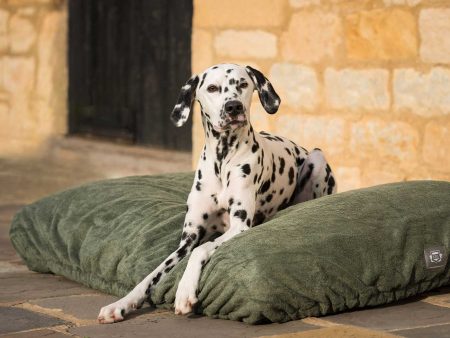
column 115, row 312
column 185, row 299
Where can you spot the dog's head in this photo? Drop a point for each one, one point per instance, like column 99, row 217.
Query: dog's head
column 224, row 92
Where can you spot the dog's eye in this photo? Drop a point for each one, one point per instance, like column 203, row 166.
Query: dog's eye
column 212, row 89
column 243, row 85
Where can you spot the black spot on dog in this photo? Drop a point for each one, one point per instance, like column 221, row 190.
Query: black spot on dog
column 331, row 184
column 203, row 80
column 246, row 169
column 242, row 214
column 259, row 218
column 281, row 191
column 169, row 261
column 264, row 187
column 198, row 186
column 248, row 222
column 291, row 175
column 269, row 198
column 201, row 232
column 230, row 201
column 205, row 216
column 306, row 177
column 282, row 164
column 155, row 280
column 288, row 151
column 199, row 174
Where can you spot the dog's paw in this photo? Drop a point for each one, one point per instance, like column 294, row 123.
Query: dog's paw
column 184, row 301
column 115, row 312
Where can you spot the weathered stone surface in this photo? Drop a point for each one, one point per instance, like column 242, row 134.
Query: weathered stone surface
column 47, row 333
column 312, row 37
column 434, row 24
column 238, row 14
column 397, row 316
column 341, row 331
column 259, row 118
column 22, row 286
column 325, row 132
column 168, row 325
column 375, row 176
column 16, row 319
column 390, row 140
column 202, row 50
column 4, row 38
column 303, row 3
column 354, row 89
column 437, row 331
column 381, row 34
column 246, row 44
column 297, row 85
column 348, row 178
column 18, row 74
column 22, row 34
column 84, row 307
column 436, row 144
column 50, row 104
column 402, row 2
column 425, row 94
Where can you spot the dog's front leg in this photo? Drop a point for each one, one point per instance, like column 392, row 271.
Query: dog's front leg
column 241, row 211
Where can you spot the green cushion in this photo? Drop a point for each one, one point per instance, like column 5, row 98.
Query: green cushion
column 354, row 249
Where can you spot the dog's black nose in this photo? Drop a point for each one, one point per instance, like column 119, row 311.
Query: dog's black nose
column 234, row 108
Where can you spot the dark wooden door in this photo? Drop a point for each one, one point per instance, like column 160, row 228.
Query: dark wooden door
column 127, row 62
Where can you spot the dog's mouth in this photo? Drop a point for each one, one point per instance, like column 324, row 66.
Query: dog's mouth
column 232, row 123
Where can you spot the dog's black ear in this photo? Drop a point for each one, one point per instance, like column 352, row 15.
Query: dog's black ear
column 267, row 95
column 182, row 109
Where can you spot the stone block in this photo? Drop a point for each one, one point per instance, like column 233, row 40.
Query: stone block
column 16, row 319
column 385, row 140
column 303, row 3
column 425, row 94
column 312, row 37
column 4, row 38
column 297, row 85
column 436, row 145
column 50, row 102
column 256, row 44
column 348, row 178
column 238, row 14
column 81, row 307
column 18, row 287
column 356, row 89
column 434, row 25
column 389, row 34
column 325, row 132
column 401, row 315
column 402, row 2
column 22, row 34
column 18, row 74
column 202, row 50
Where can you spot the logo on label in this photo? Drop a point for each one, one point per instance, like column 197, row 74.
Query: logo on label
column 435, row 257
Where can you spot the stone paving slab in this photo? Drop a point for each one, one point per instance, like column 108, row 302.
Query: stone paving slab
column 15, row 319
column 336, row 332
column 168, row 325
column 401, row 315
column 441, row 331
column 37, row 334
column 84, row 307
column 17, row 287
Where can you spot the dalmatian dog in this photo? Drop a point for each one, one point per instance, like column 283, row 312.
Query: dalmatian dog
column 243, row 177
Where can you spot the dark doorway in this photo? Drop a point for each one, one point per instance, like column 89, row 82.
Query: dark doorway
column 127, row 62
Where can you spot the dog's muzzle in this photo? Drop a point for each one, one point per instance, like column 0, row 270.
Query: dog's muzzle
column 234, row 113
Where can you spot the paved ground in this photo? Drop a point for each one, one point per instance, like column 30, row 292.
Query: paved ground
column 40, row 305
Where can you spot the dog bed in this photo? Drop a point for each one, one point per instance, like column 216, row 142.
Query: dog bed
column 346, row 251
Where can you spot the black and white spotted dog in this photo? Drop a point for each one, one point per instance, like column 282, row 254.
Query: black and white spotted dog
column 243, row 177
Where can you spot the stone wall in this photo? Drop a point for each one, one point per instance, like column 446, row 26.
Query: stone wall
column 368, row 81
column 33, row 74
